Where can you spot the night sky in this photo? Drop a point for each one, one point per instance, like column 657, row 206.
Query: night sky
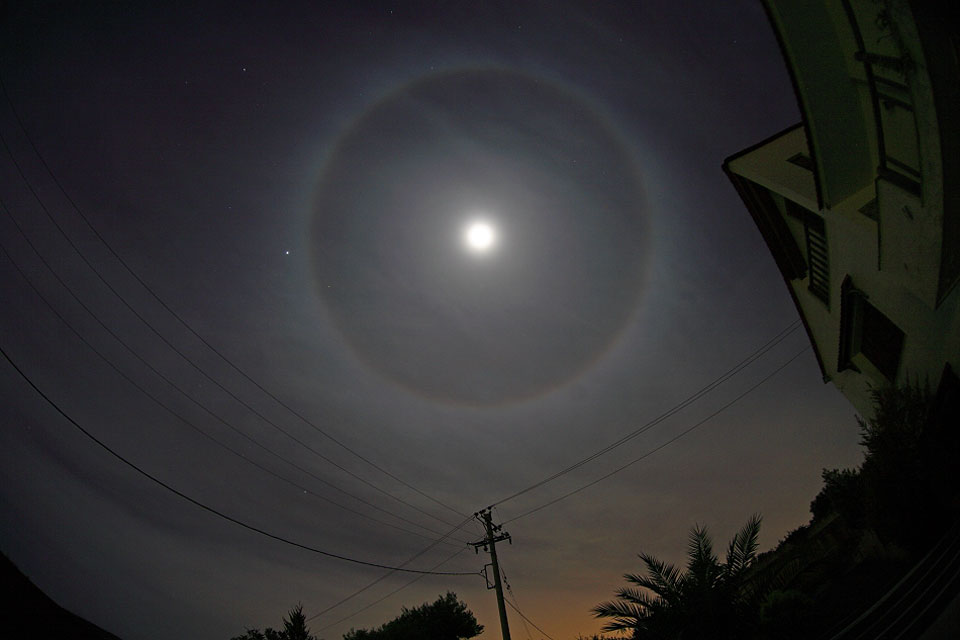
column 237, row 251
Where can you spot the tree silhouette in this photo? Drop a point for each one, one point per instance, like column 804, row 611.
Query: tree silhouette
column 445, row 619
column 708, row 599
column 294, row 628
column 904, row 489
column 295, row 625
column 900, row 482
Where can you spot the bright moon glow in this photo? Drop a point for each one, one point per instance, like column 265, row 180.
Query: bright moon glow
column 480, row 237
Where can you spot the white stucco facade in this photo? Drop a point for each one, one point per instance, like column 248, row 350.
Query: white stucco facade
column 856, row 202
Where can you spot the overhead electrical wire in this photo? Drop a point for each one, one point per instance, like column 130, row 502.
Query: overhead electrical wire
column 391, row 572
column 197, row 367
column 186, row 359
column 182, row 321
column 786, row 332
column 199, row 430
column 770, row 344
column 395, row 591
column 740, row 366
column 665, row 444
column 526, row 629
column 210, row 509
column 698, row 424
column 177, row 387
column 521, row 614
column 516, row 607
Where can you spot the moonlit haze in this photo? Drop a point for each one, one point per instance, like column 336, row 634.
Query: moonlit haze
column 348, row 272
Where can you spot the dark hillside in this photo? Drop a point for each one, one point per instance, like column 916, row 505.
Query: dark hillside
column 27, row 612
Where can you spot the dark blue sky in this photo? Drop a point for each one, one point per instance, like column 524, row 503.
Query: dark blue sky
column 293, row 182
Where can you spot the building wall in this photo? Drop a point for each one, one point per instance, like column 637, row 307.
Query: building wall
column 853, row 202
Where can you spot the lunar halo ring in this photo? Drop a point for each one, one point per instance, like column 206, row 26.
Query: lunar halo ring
column 333, row 240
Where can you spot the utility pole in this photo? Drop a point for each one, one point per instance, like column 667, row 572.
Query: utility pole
column 494, row 535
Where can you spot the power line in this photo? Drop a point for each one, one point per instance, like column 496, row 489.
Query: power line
column 182, row 321
column 668, row 442
column 395, row 591
column 193, row 426
column 521, row 614
column 506, row 583
column 185, row 358
column 516, row 608
column 177, row 387
column 210, row 509
column 753, row 357
column 390, row 573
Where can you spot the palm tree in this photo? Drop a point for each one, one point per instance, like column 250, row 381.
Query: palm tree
column 708, row 599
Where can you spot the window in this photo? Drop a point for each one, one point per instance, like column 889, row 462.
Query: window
column 818, row 255
column 866, row 331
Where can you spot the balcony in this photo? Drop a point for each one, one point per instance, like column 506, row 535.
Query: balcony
column 888, row 67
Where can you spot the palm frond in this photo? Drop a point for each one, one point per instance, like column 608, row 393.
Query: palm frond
column 662, row 577
column 618, row 625
column 662, row 602
column 700, row 547
column 658, row 590
column 641, row 598
column 703, row 567
column 743, row 547
column 626, row 616
column 619, row 609
column 623, row 618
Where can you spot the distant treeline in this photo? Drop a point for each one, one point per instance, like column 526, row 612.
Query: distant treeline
column 447, row 618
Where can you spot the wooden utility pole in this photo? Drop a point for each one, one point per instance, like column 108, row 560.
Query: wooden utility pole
column 494, row 535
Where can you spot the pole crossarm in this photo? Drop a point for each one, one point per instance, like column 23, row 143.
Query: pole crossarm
column 486, row 541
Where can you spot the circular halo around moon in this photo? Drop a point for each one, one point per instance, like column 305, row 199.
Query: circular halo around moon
column 479, row 236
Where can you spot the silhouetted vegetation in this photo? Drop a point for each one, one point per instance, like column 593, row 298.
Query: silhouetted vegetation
column 445, row 619
column 898, row 491
column 870, row 524
column 710, row 599
column 294, row 628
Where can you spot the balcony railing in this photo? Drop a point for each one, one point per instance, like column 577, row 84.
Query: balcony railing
column 888, row 67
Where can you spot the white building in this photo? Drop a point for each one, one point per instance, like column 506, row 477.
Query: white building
column 859, row 203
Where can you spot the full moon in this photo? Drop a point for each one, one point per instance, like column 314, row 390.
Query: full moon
column 451, row 243
column 479, row 237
